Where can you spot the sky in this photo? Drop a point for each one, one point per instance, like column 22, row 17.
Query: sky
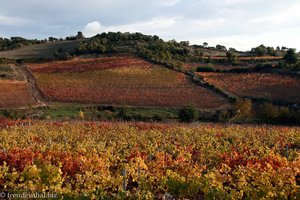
column 241, row 24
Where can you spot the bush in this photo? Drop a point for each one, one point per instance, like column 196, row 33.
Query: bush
column 208, row 68
column 189, row 114
column 282, row 64
column 243, row 109
column 272, row 113
column 291, row 56
column 296, row 67
column 268, row 111
column 260, row 67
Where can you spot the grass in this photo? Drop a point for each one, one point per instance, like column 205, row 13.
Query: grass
column 109, row 113
column 71, row 111
column 45, row 50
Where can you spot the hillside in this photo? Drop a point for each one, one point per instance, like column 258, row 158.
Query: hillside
column 150, row 76
column 41, row 50
column 116, row 117
column 121, row 80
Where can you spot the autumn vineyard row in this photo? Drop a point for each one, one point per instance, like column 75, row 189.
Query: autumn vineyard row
column 147, row 161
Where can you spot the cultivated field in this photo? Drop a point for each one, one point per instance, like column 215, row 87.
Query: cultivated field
column 281, row 88
column 14, row 94
column 194, row 66
column 122, row 80
column 147, row 161
column 41, row 50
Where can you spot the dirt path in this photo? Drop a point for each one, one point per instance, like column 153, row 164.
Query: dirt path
column 35, row 91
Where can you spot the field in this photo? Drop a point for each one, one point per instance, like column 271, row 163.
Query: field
column 194, row 66
column 40, row 50
column 280, row 88
column 121, row 80
column 146, row 161
column 14, row 94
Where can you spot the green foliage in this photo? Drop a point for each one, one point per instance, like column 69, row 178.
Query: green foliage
column 123, row 113
column 260, row 50
column 260, row 67
column 61, row 54
column 208, row 68
column 282, row 64
column 16, row 42
column 232, row 57
column 182, row 187
column 296, row 66
column 221, row 48
column 291, row 56
column 149, row 47
column 272, row 113
column 189, row 114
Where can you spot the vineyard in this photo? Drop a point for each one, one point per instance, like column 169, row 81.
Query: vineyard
column 194, row 66
column 146, row 161
column 91, row 64
column 14, row 94
column 121, row 81
column 282, row 88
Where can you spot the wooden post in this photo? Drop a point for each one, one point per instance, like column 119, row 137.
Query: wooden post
column 124, row 179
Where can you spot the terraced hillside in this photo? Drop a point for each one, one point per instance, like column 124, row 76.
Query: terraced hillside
column 121, row 80
column 275, row 87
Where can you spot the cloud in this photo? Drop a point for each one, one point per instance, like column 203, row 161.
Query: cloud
column 92, row 28
column 243, row 23
column 151, row 26
column 231, row 2
column 285, row 16
column 13, row 21
column 168, row 2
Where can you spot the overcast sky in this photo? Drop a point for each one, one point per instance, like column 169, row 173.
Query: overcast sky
column 234, row 23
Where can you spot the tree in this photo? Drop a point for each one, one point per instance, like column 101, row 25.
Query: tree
column 260, row 50
column 291, row 56
column 232, row 57
column 221, row 47
column 185, row 43
column 242, row 109
column 205, row 44
column 189, row 114
column 284, row 48
column 208, row 68
column 233, row 49
column 79, row 35
column 271, row 51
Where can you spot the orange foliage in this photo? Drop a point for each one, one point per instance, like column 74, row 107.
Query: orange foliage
column 14, row 94
column 258, row 85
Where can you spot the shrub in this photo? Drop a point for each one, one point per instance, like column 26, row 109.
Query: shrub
column 260, row 67
column 189, row 114
column 124, row 113
column 208, row 68
column 291, row 56
column 268, row 111
column 243, row 109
